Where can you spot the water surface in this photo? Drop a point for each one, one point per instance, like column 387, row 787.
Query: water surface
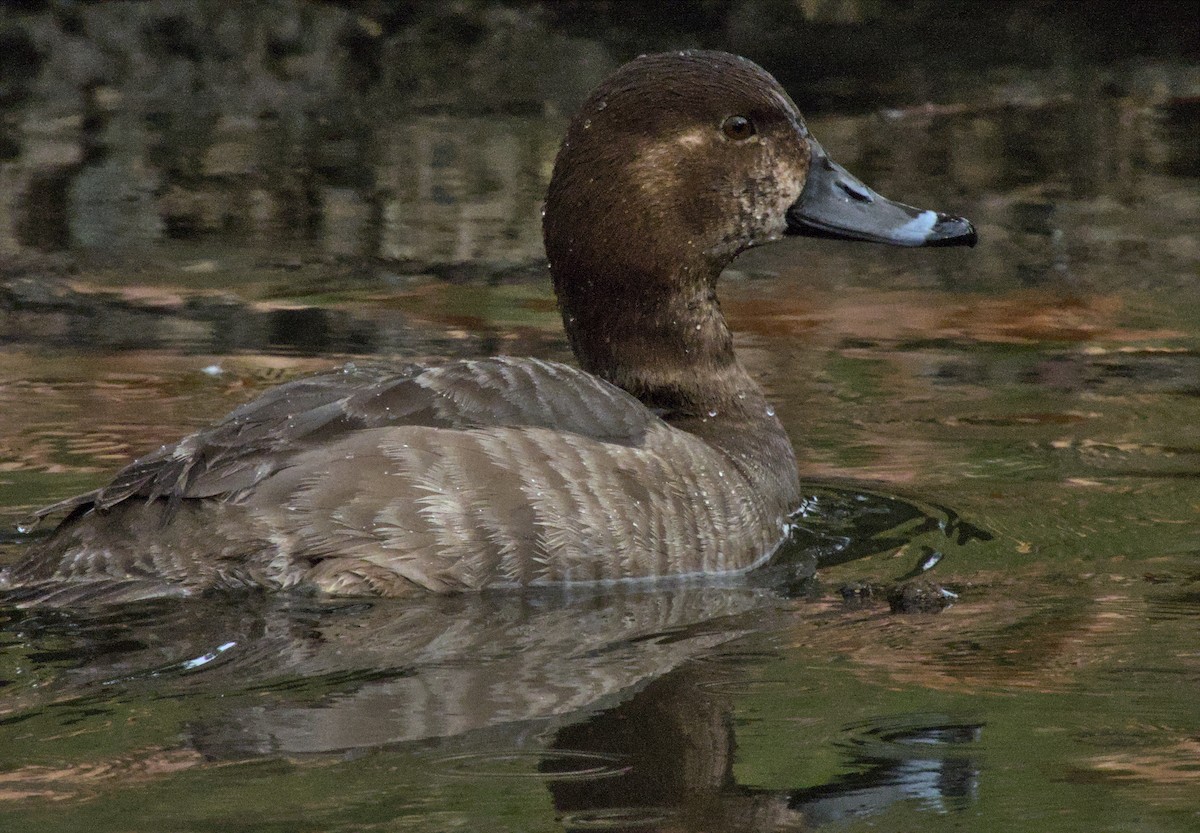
column 200, row 201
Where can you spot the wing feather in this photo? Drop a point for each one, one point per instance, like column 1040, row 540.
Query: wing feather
column 260, row 438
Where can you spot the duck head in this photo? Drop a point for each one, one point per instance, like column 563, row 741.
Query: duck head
column 674, row 165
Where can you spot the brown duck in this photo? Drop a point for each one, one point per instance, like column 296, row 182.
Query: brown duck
column 659, row 458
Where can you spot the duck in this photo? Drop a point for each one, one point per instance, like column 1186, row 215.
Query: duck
column 658, row 457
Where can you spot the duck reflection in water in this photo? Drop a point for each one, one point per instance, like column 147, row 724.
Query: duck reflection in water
column 677, row 742
column 623, row 702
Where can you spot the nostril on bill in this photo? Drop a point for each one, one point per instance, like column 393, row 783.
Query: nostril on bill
column 856, row 191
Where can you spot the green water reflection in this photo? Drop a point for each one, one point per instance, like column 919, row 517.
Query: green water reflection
column 200, row 201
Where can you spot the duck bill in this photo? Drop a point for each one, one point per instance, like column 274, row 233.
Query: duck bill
column 835, row 204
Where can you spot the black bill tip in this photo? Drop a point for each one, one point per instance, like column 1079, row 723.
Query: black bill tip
column 952, row 231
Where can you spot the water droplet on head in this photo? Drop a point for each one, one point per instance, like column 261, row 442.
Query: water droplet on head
column 601, row 104
column 712, row 413
column 587, row 124
column 770, row 410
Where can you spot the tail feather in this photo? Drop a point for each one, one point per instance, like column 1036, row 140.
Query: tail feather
column 129, row 553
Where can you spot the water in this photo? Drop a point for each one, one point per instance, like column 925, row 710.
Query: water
column 202, row 201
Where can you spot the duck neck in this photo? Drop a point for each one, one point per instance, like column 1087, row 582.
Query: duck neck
column 661, row 337
column 665, row 341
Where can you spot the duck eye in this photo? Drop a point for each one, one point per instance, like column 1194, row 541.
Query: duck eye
column 738, row 128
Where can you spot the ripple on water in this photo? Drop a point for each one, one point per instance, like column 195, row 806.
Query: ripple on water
column 1171, row 606
column 744, row 687
column 557, row 764
column 738, row 658
column 923, row 735
column 199, row 662
column 927, row 758
column 618, row 818
column 840, row 525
